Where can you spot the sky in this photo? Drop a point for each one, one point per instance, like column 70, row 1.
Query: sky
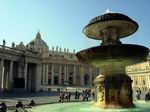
column 61, row 21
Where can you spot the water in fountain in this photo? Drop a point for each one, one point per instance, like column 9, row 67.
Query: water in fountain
column 141, row 106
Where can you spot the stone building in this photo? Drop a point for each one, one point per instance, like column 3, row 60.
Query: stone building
column 140, row 74
column 33, row 67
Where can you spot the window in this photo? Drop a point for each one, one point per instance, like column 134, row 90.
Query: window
column 86, row 79
column 136, row 82
column 55, row 80
column 49, row 81
column 70, row 80
column 143, row 82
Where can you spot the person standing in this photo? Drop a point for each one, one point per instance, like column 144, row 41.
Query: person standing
column 69, row 96
column 76, row 94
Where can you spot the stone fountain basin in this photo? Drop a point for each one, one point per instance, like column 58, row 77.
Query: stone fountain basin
column 112, row 59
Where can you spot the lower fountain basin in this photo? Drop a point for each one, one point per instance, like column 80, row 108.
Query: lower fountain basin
column 141, row 106
column 111, row 57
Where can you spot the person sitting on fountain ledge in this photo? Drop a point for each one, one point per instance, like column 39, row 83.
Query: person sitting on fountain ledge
column 3, row 107
column 19, row 104
column 32, row 103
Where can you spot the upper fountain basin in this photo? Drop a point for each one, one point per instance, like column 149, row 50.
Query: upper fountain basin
column 125, row 26
column 112, row 59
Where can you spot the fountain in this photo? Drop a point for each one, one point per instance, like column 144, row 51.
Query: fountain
column 113, row 87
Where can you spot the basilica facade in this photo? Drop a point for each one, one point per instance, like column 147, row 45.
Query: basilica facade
column 140, row 75
column 33, row 67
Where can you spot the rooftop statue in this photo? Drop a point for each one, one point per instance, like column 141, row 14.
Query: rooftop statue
column 4, row 42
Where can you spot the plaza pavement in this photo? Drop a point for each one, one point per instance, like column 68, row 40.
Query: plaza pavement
column 40, row 98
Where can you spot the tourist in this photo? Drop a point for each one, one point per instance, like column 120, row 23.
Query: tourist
column 86, row 95
column 140, row 91
column 32, row 103
column 63, row 96
column 19, row 104
column 76, row 94
column 60, row 97
column 93, row 94
column 138, row 96
column 3, row 107
column 148, row 96
column 66, row 96
column 83, row 95
column 135, row 95
column 69, row 96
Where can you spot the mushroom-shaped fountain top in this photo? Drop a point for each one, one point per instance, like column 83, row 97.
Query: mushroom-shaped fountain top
column 124, row 25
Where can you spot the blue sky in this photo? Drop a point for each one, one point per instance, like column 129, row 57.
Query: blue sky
column 61, row 21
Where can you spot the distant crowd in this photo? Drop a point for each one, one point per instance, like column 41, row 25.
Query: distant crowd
column 84, row 95
column 138, row 93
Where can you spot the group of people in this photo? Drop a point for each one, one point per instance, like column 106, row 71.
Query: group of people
column 85, row 94
column 19, row 104
column 147, row 97
column 137, row 94
column 64, row 96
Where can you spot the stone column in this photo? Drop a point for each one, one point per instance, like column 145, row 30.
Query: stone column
column 67, row 77
column 46, row 75
column 148, row 81
column 25, row 74
column 90, row 76
column 133, row 83
column 74, row 75
column 43, row 74
column 139, row 81
column 65, row 74
column 60, row 74
column 81, row 76
column 52, row 75
column 10, row 77
column 1, row 73
column 38, row 77
column 19, row 70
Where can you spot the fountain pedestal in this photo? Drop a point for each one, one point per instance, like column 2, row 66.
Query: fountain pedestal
column 113, row 91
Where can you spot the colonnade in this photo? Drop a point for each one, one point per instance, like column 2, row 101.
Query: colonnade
column 19, row 75
column 46, row 67
column 141, row 81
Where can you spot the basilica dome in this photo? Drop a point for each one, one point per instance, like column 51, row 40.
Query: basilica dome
column 38, row 45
